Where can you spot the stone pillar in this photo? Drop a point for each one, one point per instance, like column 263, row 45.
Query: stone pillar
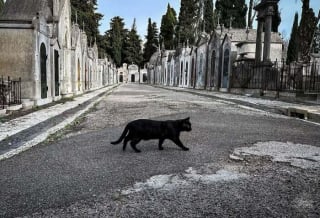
column 267, row 34
column 265, row 11
column 259, row 41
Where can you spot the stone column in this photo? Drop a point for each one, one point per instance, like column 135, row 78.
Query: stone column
column 259, row 41
column 267, row 34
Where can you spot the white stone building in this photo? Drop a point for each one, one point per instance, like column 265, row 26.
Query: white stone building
column 123, row 73
column 133, row 73
column 208, row 65
column 39, row 44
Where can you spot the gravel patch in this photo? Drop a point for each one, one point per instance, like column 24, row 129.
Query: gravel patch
column 299, row 155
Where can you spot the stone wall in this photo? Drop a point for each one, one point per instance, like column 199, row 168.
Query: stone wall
column 17, row 58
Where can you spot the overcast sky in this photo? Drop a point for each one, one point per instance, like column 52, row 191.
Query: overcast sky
column 143, row 9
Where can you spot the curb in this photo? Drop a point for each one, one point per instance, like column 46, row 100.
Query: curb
column 43, row 136
column 297, row 112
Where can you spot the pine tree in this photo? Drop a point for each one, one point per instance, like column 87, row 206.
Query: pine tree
column 208, row 16
column 186, row 24
column 151, row 44
column 292, row 53
column 232, row 11
column 114, row 38
column 167, row 29
column 132, row 47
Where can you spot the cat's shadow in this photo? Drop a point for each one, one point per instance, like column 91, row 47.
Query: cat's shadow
column 147, row 147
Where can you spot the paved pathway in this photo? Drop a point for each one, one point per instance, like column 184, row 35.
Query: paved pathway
column 30, row 135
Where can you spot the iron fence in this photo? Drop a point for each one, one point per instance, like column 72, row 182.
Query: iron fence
column 276, row 76
column 10, row 92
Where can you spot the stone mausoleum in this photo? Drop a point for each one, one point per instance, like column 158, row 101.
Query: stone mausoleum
column 40, row 45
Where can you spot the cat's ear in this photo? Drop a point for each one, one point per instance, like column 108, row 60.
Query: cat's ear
column 188, row 118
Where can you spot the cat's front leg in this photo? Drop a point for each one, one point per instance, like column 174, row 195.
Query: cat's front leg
column 160, row 144
column 179, row 143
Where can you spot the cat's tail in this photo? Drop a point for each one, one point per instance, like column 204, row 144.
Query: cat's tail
column 124, row 133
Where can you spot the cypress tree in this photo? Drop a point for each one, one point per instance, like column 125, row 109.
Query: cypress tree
column 167, row 29
column 114, row 38
column 308, row 24
column 208, row 16
column 292, row 53
column 151, row 43
column 276, row 19
column 1, row 6
column 132, row 47
column 84, row 11
column 316, row 41
column 232, row 11
column 187, row 16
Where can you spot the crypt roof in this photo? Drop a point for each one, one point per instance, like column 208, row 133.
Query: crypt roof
column 27, row 9
column 246, row 35
column 171, row 55
column 203, row 39
column 154, row 58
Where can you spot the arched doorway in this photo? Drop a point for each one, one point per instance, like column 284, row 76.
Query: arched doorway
column 225, row 72
column 144, row 78
column 133, row 78
column 85, row 77
column 186, row 74
column 181, row 74
column 200, row 76
column 43, row 68
column 213, row 68
column 79, row 76
column 192, row 73
column 121, row 78
column 56, row 72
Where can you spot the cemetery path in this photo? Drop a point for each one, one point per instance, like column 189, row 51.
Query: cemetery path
column 242, row 162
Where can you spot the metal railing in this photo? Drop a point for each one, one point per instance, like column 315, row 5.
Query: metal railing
column 10, row 92
column 277, row 76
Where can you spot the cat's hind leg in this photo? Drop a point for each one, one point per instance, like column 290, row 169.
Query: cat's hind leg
column 160, row 144
column 179, row 143
column 133, row 144
column 125, row 141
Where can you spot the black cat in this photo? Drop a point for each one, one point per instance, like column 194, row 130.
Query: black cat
column 151, row 129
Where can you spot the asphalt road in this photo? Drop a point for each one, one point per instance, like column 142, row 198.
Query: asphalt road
column 80, row 174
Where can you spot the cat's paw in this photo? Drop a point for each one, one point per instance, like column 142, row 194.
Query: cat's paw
column 185, row 149
column 161, row 148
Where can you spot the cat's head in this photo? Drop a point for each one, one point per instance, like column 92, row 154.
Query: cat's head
column 186, row 125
